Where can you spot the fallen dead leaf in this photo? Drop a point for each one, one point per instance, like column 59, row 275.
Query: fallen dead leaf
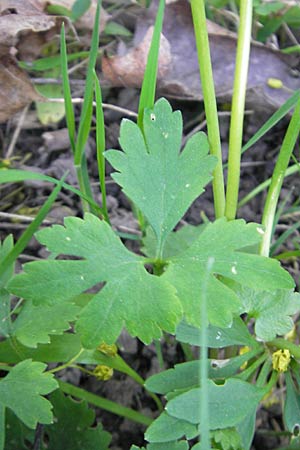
column 16, row 90
column 86, row 22
column 180, row 76
column 120, row 69
column 23, row 31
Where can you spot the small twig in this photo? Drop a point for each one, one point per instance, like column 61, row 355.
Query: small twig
column 20, row 217
column 126, row 111
column 16, row 133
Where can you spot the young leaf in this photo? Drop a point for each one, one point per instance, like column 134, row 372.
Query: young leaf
column 72, row 428
column 229, row 403
column 145, row 304
column 35, row 324
column 272, row 310
column 161, row 181
column 5, row 324
column 16, row 434
column 22, row 389
column 228, row 439
column 291, row 412
column 236, row 334
column 223, row 242
column 167, row 428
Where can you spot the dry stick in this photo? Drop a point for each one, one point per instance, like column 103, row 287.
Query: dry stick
column 16, row 133
column 78, row 100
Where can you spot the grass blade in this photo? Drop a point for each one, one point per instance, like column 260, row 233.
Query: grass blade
column 147, row 95
column 15, row 176
column 87, row 107
column 30, row 230
column 273, row 120
column 285, row 153
column 70, row 118
column 100, row 143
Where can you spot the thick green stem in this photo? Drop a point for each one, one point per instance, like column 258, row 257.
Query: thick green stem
column 277, row 179
column 238, row 108
column 210, row 104
column 103, row 403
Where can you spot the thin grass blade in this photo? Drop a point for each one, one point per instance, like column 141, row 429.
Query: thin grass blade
column 30, row 230
column 273, row 120
column 70, row 117
column 100, row 143
column 87, row 107
column 147, row 95
column 15, row 176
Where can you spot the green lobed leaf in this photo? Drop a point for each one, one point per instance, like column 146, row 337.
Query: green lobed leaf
column 35, row 324
column 236, row 334
column 177, row 445
column 228, row 439
column 145, row 304
column 223, row 241
column 72, row 428
column 16, row 433
column 22, row 389
column 229, row 403
column 61, row 348
column 176, row 242
column 161, row 181
column 167, row 428
column 291, row 413
column 187, row 375
column 5, row 324
column 271, row 310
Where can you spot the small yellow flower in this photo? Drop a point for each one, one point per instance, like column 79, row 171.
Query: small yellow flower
column 107, row 349
column 281, row 359
column 103, row 372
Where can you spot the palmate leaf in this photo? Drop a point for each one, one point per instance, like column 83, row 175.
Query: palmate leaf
column 222, row 241
column 72, row 428
column 35, row 324
column 229, row 403
column 22, row 390
column 145, row 304
column 271, row 310
column 161, row 181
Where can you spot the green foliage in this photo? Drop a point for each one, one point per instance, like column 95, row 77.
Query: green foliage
column 272, row 310
column 227, row 439
column 292, row 406
column 161, row 181
column 35, row 324
column 72, row 428
column 22, row 389
column 131, row 296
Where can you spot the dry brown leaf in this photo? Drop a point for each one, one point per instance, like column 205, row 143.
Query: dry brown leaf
column 16, row 90
column 23, row 30
column 86, row 22
column 181, row 72
column 119, row 69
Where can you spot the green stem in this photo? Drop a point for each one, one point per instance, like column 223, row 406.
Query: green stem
column 67, row 364
column 210, row 104
column 238, row 107
column 285, row 153
column 285, row 344
column 105, row 404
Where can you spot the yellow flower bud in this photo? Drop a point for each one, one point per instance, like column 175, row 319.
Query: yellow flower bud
column 103, row 372
column 242, row 351
column 275, row 83
column 107, row 349
column 281, row 359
